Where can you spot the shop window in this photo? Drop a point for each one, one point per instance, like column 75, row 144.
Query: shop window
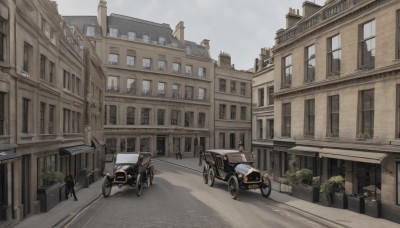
column 369, row 180
column 45, row 165
column 145, row 145
column 131, row 144
column 188, row 144
column 111, row 146
column 336, row 168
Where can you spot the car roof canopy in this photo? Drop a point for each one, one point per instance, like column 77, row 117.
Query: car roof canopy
column 126, row 158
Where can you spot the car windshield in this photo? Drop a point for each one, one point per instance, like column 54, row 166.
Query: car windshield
column 126, row 158
column 240, row 158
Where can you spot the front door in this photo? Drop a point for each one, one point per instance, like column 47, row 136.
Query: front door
column 160, row 145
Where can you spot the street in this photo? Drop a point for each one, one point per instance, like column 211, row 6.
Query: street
column 179, row 198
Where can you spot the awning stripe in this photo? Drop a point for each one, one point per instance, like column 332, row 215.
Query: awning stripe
column 353, row 155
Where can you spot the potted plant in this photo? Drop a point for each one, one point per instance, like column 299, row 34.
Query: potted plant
column 333, row 192
column 355, row 203
column 303, row 186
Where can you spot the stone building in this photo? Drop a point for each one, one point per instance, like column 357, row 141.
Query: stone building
column 159, row 94
column 337, row 97
column 263, row 110
column 232, row 108
column 42, row 105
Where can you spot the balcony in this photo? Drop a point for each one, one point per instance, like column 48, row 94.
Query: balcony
column 113, row 89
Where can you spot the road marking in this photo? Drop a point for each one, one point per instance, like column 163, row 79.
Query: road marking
column 94, row 215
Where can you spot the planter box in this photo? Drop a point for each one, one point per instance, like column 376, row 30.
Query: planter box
column 356, row 204
column 306, row 192
column 373, row 208
column 323, row 200
column 63, row 191
column 49, row 196
column 339, row 200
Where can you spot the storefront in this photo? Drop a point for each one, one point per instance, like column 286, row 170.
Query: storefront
column 7, row 161
column 305, row 158
column 76, row 160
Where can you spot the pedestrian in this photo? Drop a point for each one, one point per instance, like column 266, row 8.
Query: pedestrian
column 71, row 186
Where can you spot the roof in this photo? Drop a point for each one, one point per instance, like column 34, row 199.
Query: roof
column 74, row 150
column 81, row 22
column 222, row 151
column 196, row 50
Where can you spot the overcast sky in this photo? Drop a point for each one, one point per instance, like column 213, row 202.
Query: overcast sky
column 238, row 27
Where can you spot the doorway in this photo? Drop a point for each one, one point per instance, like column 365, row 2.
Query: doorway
column 160, row 145
column 26, row 176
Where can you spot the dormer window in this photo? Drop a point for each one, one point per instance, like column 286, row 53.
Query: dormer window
column 161, row 40
column 113, row 32
column 90, row 31
column 131, row 35
column 146, row 38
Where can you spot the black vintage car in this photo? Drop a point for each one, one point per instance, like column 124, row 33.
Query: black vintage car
column 236, row 168
column 132, row 169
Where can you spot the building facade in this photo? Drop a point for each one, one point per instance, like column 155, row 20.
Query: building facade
column 42, row 105
column 232, row 108
column 263, row 110
column 337, row 97
column 159, row 94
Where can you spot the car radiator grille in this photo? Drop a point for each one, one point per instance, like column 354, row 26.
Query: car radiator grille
column 120, row 177
column 254, row 176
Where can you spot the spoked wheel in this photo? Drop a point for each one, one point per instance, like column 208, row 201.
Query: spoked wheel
column 211, row 176
column 106, row 187
column 233, row 186
column 205, row 175
column 266, row 187
column 151, row 176
column 139, row 185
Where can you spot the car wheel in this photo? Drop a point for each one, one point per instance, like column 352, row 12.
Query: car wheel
column 266, row 187
column 139, row 185
column 151, row 177
column 205, row 175
column 211, row 176
column 106, row 187
column 233, row 186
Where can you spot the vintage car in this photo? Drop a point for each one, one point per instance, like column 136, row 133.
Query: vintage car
column 236, row 168
column 132, row 169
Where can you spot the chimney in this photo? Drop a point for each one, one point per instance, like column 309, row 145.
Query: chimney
column 206, row 44
column 179, row 32
column 224, row 60
column 309, row 8
column 102, row 16
column 263, row 60
column 292, row 18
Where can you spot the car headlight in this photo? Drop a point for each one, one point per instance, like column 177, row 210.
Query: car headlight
column 240, row 175
column 245, row 178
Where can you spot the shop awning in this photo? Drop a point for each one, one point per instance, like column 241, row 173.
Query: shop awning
column 305, row 151
column 74, row 150
column 353, row 155
column 6, row 156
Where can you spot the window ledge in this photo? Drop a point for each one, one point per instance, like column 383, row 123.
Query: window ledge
column 26, row 136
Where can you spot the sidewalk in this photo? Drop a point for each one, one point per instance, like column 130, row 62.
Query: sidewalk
column 341, row 217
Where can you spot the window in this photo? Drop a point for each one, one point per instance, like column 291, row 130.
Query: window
column 188, row 144
column 130, row 61
column 175, row 44
column 222, row 111
column 334, row 55
column 174, row 117
column 130, row 116
column 131, row 35
column 310, row 64
column 25, row 115
column 113, row 59
column 398, row 182
column 66, row 120
column 260, row 129
column 233, row 112
column 286, row 120
column 43, row 25
column 122, row 144
column 397, row 35
column 113, row 32
column 2, row 112
column 51, row 119
column 42, row 115
column 90, row 31
column 162, row 65
column 333, row 116
column 243, row 113
column 145, row 116
column 233, row 87
column 287, row 71
column 243, row 89
column 176, row 68
column 111, row 145
column 188, row 92
column 202, row 94
column 45, row 165
column 366, row 114
column 242, row 137
column 222, row 140
column 51, row 71
column 176, row 143
column 160, row 116
column 188, row 70
column 146, row 63
column 270, row 95
column 73, row 79
column 113, row 114
column 42, row 67
column 66, row 80
column 202, row 119
column 27, row 58
column 270, row 123
column 145, row 145
column 367, row 45
column 309, row 116
column 161, row 40
column 161, row 89
column 146, row 38
column 261, row 97
column 188, row 119
column 3, row 40
column 78, row 86
column 146, row 88
column 232, row 137
column 112, row 84
column 222, row 85
column 131, row 86
column 130, row 144
column 202, row 72
column 175, row 91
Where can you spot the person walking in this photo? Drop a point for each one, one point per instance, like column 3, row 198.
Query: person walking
column 71, row 186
